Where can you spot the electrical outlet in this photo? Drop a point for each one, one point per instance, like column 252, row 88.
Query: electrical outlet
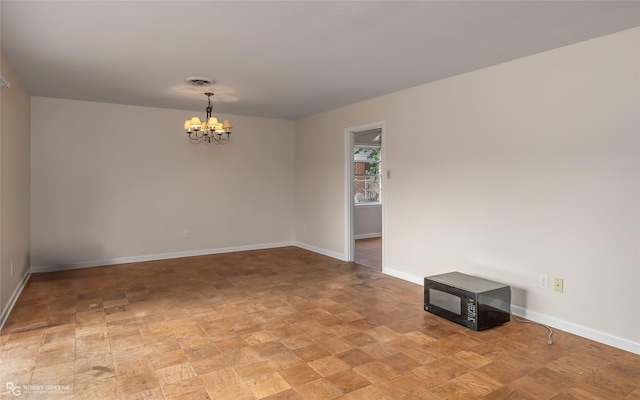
column 11, row 267
column 544, row 281
column 185, row 234
column 558, row 285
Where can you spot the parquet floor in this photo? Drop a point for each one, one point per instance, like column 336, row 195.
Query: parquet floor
column 369, row 252
column 278, row 324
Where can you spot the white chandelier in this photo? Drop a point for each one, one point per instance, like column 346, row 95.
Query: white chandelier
column 211, row 130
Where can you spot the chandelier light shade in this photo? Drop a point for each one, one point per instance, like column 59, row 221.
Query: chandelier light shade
column 210, row 130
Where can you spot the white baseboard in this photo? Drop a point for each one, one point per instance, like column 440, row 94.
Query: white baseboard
column 579, row 330
column 404, row 276
column 318, row 250
column 154, row 257
column 367, row 235
column 14, row 297
column 576, row 329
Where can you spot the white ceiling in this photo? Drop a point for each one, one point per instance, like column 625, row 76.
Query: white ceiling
column 279, row 59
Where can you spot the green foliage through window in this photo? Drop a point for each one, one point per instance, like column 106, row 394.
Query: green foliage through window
column 367, row 175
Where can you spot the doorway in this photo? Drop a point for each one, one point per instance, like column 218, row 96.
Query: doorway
column 364, row 150
column 368, row 252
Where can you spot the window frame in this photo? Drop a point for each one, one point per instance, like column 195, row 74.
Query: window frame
column 356, row 190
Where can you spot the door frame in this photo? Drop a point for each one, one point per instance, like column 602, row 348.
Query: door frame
column 350, row 242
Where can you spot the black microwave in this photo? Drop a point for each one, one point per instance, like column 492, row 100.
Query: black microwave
column 467, row 300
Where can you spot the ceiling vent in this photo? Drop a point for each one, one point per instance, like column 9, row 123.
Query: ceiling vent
column 199, row 81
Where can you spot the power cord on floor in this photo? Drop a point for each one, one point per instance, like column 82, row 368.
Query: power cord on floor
column 549, row 341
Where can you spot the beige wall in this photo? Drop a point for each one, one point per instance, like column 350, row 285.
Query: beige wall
column 14, row 188
column 114, row 183
column 367, row 221
column 525, row 168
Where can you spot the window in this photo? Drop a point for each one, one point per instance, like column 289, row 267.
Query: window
column 367, row 177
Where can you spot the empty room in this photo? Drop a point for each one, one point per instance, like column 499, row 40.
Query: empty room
column 320, row 200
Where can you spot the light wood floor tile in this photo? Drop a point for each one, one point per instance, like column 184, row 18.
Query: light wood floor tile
column 135, row 385
column 532, row 385
column 355, row 357
column 635, row 395
column 438, row 372
column 289, row 394
column 367, row 393
column 50, row 358
column 237, row 391
column 470, row 359
column 175, row 373
column 402, row 387
column 376, row 371
column 144, row 394
column 297, row 341
column 266, row 385
column 133, row 367
column 281, row 324
column 100, row 390
column 59, row 374
column 167, row 359
column 209, row 364
column 253, row 369
column 90, row 370
column 401, row 362
column 318, row 390
column 299, row 375
column 329, row 365
column 468, row 386
column 201, row 351
column 615, row 380
column 162, row 345
column 348, row 381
